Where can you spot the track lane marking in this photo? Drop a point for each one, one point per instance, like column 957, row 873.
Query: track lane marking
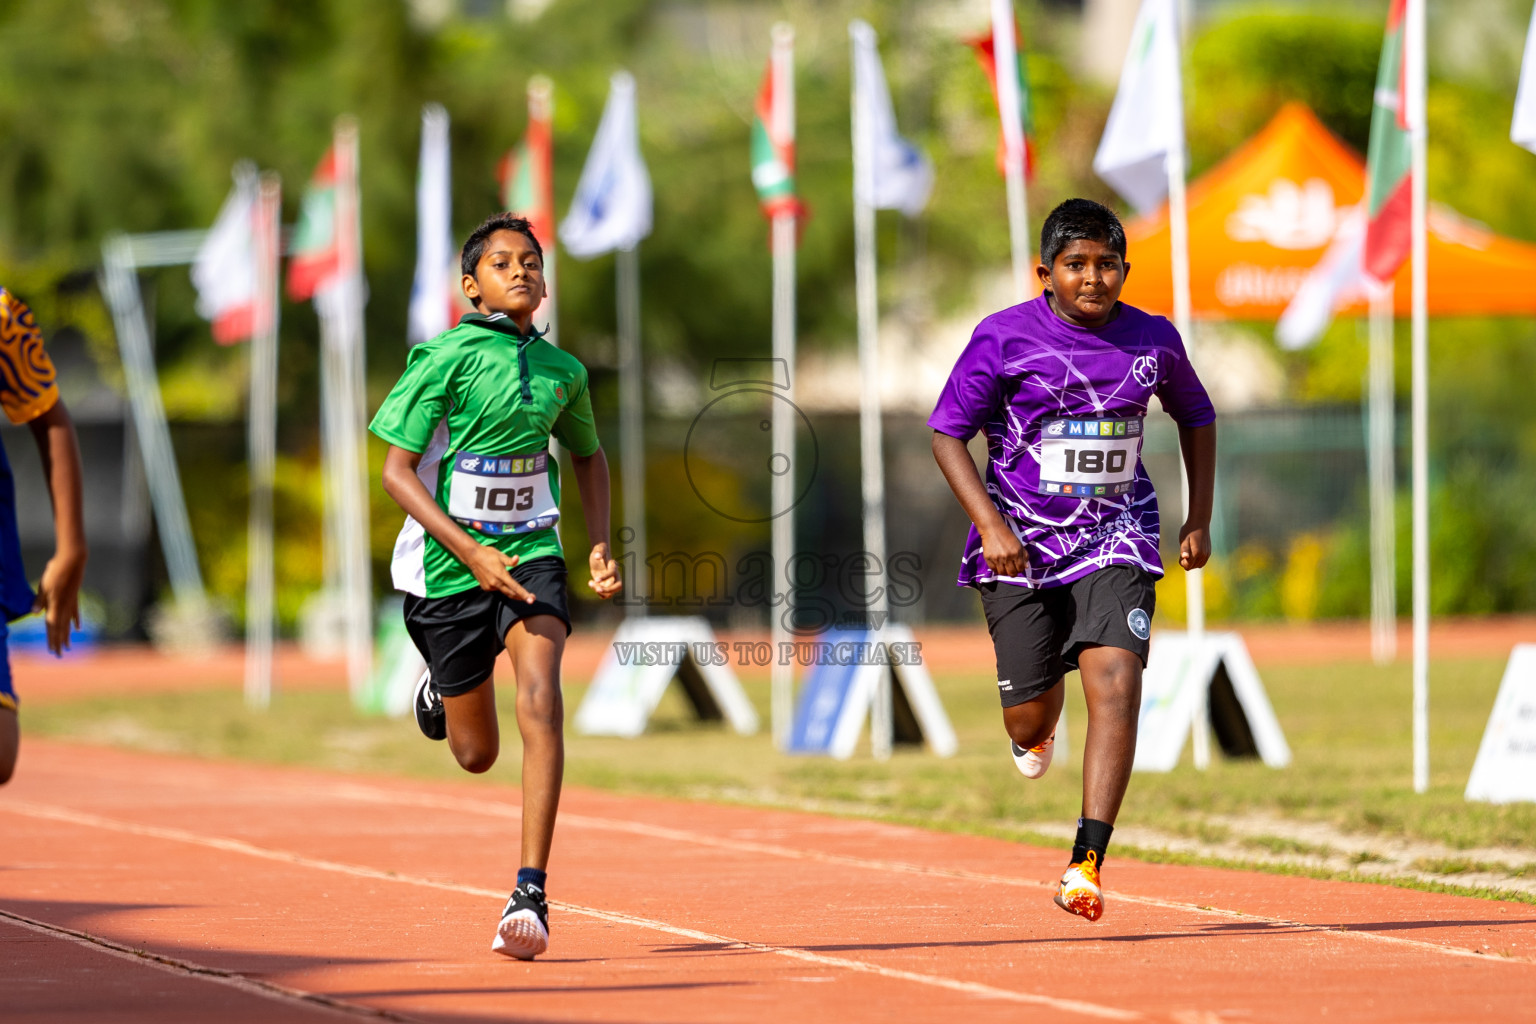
column 187, row 969
column 239, row 846
column 371, row 794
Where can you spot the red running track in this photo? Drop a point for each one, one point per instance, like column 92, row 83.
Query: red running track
column 138, row 887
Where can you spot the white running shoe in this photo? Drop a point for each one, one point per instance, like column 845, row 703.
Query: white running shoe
column 524, row 929
column 1079, row 891
column 1033, row 762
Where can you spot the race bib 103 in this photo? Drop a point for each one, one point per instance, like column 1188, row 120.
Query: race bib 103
column 1089, row 458
column 502, row 494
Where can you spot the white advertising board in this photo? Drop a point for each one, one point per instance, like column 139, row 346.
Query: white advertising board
column 1505, row 769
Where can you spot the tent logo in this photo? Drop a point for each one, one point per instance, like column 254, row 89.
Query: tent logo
column 1289, row 216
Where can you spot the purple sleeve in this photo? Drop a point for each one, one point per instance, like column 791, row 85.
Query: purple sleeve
column 974, row 389
column 1182, row 394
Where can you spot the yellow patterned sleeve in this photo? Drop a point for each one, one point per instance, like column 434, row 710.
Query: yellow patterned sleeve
column 27, row 386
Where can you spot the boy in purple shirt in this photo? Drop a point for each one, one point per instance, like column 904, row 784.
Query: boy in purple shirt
column 1063, row 546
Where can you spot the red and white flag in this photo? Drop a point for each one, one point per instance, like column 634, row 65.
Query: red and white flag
column 225, row 270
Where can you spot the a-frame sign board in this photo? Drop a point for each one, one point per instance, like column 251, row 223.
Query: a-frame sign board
column 835, row 699
column 644, row 658
column 1505, row 769
column 1180, row 671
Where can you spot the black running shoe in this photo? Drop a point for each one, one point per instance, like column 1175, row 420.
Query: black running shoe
column 524, row 929
column 430, row 717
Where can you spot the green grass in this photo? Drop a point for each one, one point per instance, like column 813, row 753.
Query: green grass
column 1348, row 726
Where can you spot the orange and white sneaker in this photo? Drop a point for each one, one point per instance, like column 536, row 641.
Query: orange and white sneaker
column 1033, row 762
column 1079, row 891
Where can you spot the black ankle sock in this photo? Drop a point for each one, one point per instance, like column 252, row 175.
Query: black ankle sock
column 533, row 875
column 1091, row 835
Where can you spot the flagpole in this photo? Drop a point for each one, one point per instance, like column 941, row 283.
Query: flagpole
column 1418, row 140
column 783, row 494
column 541, row 108
column 870, row 427
column 260, row 584
column 1007, row 69
column 632, row 423
column 1178, row 232
column 351, row 467
column 1382, row 466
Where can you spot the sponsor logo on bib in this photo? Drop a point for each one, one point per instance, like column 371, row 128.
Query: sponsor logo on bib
column 1140, row 623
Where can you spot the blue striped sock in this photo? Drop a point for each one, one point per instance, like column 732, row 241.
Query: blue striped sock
column 533, row 875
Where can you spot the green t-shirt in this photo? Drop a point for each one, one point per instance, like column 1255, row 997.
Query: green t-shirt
column 477, row 401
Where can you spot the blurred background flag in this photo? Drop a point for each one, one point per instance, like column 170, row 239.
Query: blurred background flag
column 897, row 175
column 985, row 48
column 612, row 206
column 315, row 260
column 1522, row 129
column 773, row 150
column 527, row 176
column 225, row 271
column 1389, row 161
column 435, row 285
column 1146, row 122
column 1336, row 281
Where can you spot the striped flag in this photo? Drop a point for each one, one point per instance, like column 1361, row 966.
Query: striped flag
column 773, row 152
column 316, row 249
column 1389, row 161
column 986, row 53
column 435, row 293
column 527, row 173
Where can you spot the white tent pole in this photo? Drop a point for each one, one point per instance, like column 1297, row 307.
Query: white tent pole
column 1005, row 58
column 262, row 446
column 632, row 422
column 870, row 428
column 783, row 485
column 1381, row 432
column 1419, row 138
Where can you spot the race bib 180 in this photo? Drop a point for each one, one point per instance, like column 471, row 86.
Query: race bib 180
column 502, row 495
column 1089, row 458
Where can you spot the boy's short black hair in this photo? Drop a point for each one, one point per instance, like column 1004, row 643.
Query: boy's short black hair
column 1079, row 219
column 474, row 246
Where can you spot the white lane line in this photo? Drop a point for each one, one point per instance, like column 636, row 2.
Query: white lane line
column 188, row 969
column 369, row 794
column 359, row 871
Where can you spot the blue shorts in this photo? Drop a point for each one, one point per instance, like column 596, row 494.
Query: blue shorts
column 7, row 691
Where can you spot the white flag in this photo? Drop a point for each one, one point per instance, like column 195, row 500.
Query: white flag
column 434, row 287
column 1337, row 280
column 889, row 173
column 224, row 272
column 1523, row 129
column 1147, row 119
column 612, row 206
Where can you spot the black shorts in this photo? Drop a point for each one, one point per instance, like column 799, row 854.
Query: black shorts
column 460, row 635
column 1037, row 634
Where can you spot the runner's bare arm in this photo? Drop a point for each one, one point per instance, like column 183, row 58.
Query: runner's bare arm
column 591, row 473
column 1199, row 447
column 1000, row 546
column 58, row 594
column 488, row 565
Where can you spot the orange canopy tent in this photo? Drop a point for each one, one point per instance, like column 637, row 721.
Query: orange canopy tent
column 1261, row 219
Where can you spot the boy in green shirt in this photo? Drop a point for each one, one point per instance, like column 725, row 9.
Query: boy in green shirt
column 468, row 425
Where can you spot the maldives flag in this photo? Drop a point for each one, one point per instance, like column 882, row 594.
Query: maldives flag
column 986, row 53
column 1389, row 162
column 316, row 252
column 773, row 151
column 527, row 172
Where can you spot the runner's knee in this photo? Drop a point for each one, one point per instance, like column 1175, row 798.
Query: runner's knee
column 1030, row 725
column 477, row 756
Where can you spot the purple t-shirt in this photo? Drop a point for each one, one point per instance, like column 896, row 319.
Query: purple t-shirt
column 1063, row 409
